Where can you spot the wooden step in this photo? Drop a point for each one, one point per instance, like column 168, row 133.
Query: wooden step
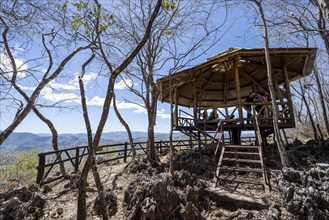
column 244, row 169
column 241, row 153
column 241, row 147
column 241, row 160
column 240, row 180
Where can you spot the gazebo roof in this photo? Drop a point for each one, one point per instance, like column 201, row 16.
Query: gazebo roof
column 214, row 80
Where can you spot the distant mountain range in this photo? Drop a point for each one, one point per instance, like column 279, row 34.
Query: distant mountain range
column 21, row 141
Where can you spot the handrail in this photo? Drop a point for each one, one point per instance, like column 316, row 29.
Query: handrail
column 180, row 111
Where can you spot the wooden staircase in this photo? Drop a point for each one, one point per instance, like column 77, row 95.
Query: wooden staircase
column 210, row 137
column 235, row 160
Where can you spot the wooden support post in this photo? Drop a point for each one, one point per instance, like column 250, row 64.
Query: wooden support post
column 226, row 80
column 176, row 106
column 237, row 88
column 195, row 115
column 280, row 95
column 199, row 137
column 226, row 113
column 76, row 164
column 125, row 152
column 41, row 168
column 287, row 87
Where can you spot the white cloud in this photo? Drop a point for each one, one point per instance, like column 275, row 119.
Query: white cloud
column 128, row 105
column 57, row 97
column 161, row 114
column 27, row 88
column 96, row 101
column 53, row 84
column 74, row 83
column 7, row 67
column 122, row 84
column 87, row 78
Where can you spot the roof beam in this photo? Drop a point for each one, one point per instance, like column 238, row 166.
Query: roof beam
column 252, row 80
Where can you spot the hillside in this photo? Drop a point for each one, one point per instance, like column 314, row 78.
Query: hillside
column 143, row 190
column 21, row 141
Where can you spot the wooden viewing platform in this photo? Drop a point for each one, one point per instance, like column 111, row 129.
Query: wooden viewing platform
column 225, row 84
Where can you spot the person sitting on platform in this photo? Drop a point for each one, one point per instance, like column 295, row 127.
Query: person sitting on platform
column 259, row 98
column 213, row 114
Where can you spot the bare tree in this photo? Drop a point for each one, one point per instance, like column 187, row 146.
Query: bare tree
column 13, row 72
column 172, row 28
column 114, row 73
column 279, row 142
column 323, row 104
column 309, row 112
column 323, row 5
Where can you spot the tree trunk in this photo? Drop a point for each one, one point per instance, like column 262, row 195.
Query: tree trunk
column 324, row 7
column 282, row 151
column 323, row 104
column 91, row 162
column 171, row 157
column 151, row 155
column 118, row 70
column 124, row 123
column 82, row 184
column 308, row 111
column 35, row 94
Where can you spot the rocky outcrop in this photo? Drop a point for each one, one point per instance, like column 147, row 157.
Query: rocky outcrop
column 150, row 198
column 306, row 193
column 21, row 203
column 236, row 200
column 111, row 200
column 196, row 163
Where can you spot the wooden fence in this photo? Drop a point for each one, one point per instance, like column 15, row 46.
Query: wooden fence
column 74, row 156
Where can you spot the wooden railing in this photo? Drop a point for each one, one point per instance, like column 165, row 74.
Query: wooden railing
column 74, row 156
column 262, row 110
column 265, row 111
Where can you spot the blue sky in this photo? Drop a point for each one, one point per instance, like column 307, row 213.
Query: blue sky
column 69, row 120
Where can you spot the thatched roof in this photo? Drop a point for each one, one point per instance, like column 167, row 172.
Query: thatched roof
column 214, row 80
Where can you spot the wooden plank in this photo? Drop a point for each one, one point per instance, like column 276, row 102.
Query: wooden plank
column 241, row 160
column 288, row 91
column 241, row 153
column 195, row 113
column 237, row 87
column 242, row 146
column 226, row 80
column 240, row 180
column 176, row 105
column 242, row 169
column 41, row 168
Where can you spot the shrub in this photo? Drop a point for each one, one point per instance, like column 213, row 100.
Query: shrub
column 20, row 166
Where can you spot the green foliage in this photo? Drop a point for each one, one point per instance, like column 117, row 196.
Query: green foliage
column 170, row 5
column 21, row 166
column 86, row 18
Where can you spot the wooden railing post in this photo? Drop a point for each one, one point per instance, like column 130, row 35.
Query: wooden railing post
column 76, row 164
column 41, row 168
column 125, row 152
column 160, row 146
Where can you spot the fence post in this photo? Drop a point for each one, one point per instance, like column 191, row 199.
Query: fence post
column 41, row 168
column 76, row 164
column 125, row 152
column 160, row 146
